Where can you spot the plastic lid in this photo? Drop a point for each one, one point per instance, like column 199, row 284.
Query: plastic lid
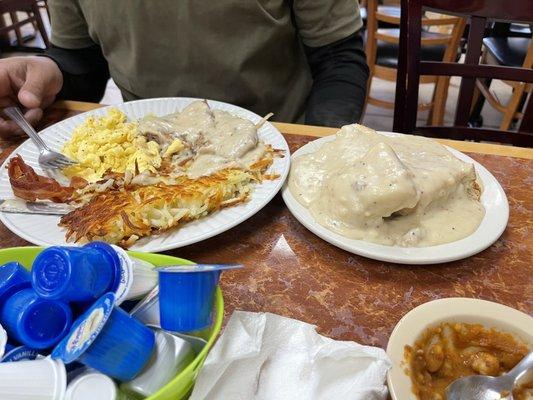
column 13, row 277
column 125, row 275
column 199, row 268
column 85, row 330
column 19, row 353
column 113, row 258
column 90, row 386
column 52, row 270
column 44, row 323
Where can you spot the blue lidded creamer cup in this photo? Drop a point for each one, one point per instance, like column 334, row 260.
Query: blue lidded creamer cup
column 36, row 322
column 107, row 339
column 76, row 274
column 13, row 277
column 187, row 295
column 15, row 353
column 171, row 355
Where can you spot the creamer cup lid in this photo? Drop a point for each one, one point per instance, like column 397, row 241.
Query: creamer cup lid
column 20, row 353
column 85, row 330
column 123, row 268
column 91, row 385
column 126, row 275
column 198, row 268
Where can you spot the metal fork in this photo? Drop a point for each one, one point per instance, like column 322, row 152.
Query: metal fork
column 47, row 157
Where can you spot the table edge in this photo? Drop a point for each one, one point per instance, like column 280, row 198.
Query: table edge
column 319, row 131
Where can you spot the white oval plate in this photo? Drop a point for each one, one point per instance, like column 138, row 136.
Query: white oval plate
column 492, row 226
column 43, row 230
column 472, row 311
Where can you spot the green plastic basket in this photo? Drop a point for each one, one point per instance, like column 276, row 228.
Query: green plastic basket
column 180, row 387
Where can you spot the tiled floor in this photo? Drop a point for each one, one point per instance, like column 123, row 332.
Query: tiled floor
column 377, row 118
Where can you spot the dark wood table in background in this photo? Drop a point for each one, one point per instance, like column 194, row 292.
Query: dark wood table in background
column 292, row 272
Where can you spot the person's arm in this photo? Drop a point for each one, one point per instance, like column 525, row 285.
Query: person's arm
column 79, row 57
column 73, row 68
column 85, row 72
column 340, row 75
column 329, row 32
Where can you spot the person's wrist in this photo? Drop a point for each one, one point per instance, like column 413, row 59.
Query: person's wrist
column 51, row 67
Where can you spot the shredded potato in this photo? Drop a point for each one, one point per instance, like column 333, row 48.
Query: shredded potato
column 123, row 216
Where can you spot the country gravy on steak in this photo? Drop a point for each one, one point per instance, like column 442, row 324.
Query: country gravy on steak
column 401, row 191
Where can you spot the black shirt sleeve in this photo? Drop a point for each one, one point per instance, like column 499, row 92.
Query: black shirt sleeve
column 339, row 74
column 85, row 72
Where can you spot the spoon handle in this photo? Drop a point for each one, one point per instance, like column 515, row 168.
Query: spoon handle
column 522, row 367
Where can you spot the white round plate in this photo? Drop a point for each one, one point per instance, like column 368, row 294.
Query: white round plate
column 492, row 226
column 470, row 311
column 43, row 229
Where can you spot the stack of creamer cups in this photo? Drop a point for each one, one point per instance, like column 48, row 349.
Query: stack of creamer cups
column 65, row 337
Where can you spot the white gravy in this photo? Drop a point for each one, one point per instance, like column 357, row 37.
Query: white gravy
column 402, row 191
column 216, row 139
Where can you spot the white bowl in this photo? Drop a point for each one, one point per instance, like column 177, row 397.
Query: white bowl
column 473, row 311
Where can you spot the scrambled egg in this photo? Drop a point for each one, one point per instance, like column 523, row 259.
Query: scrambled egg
column 109, row 143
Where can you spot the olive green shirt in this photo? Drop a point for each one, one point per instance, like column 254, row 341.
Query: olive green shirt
column 245, row 52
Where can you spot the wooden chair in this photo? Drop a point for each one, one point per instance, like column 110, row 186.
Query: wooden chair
column 410, row 68
column 31, row 8
column 382, row 52
column 513, row 52
column 504, row 44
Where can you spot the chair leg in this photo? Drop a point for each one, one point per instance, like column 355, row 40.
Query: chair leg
column 440, row 95
column 478, row 102
column 512, row 107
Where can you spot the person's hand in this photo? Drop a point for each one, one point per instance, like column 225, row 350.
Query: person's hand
column 30, row 82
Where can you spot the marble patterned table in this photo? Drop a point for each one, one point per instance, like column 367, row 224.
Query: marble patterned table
column 292, row 272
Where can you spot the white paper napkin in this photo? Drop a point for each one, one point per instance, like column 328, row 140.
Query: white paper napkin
column 264, row 356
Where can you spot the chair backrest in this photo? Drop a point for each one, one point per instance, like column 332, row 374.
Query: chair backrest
column 380, row 19
column 375, row 15
column 33, row 16
column 410, row 67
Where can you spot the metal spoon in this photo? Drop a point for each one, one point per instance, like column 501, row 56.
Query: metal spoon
column 480, row 387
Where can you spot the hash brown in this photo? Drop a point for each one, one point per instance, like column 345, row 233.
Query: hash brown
column 123, row 216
